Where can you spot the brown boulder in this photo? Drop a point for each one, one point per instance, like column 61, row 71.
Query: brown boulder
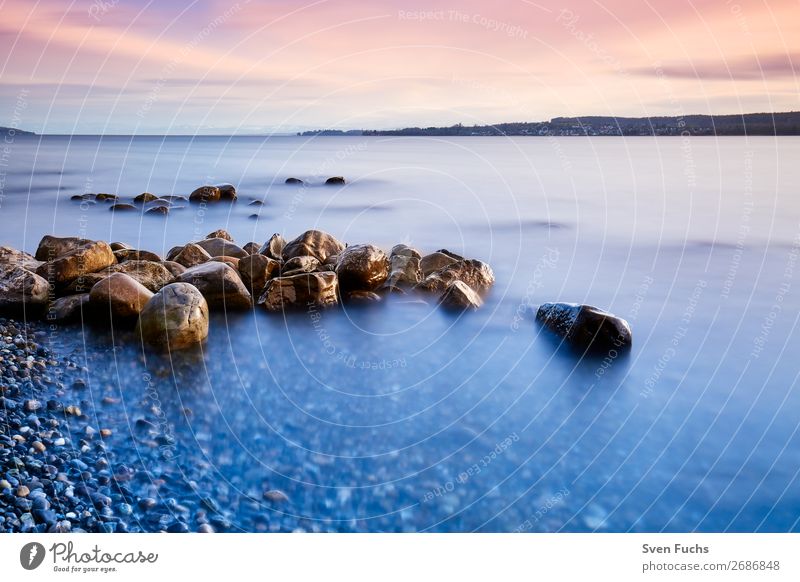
column 362, row 268
column 13, row 258
column 251, row 248
column 89, row 258
column 122, row 295
column 190, row 256
column 256, row 270
column 335, row 181
column 68, row 308
column 299, row 265
column 232, row 261
column 435, row 261
column 458, row 295
column 227, row 192
column 145, row 197
column 312, row 243
column 21, row 290
column 218, row 247
column 173, row 267
column 298, row 291
column 119, row 246
column 404, row 270
column 175, row 318
column 151, row 274
column 476, row 274
column 121, row 207
column 123, row 255
column 220, row 285
column 220, row 233
column 205, row 194
column 273, row 248
column 52, row 247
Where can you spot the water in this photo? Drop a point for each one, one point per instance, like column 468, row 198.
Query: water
column 400, row 417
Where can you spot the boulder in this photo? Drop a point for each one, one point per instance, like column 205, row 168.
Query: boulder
column 312, row 243
column 404, row 270
column 300, row 291
column 273, row 248
column 362, row 268
column 173, row 252
column 220, row 233
column 363, row 297
column 220, row 285
column 52, row 247
column 435, row 261
column 458, row 295
column 584, row 326
column 119, row 295
column 89, row 258
column 13, row 258
column 173, row 267
column 21, row 290
column 121, row 207
column 404, row 250
column 256, row 203
column 477, row 274
column 251, row 248
column 255, row 270
column 227, row 192
column 123, row 255
column 161, row 209
column 335, row 181
column 82, row 284
column 151, row 274
column 232, row 261
column 119, row 246
column 293, row 181
column 70, row 308
column 205, row 194
column 103, row 197
column 145, row 197
column 176, row 317
column 190, row 256
column 299, row 265
column 218, row 247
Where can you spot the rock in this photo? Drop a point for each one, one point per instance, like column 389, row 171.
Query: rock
column 435, row 261
column 175, row 318
column 273, row 248
column 362, row 268
column 103, row 197
column 53, row 247
column 255, row 270
column 220, row 233
column 205, row 194
column 162, row 210
column 121, row 206
column 276, row 496
column 70, row 308
column 227, row 192
column 145, row 197
column 251, row 248
column 458, row 295
column 173, row 267
column 83, row 284
column 89, row 258
column 232, row 261
column 404, row 270
column 173, row 252
column 22, row 291
column 298, row 291
column 312, row 243
column 191, row 255
column 13, row 258
column 298, row 265
column 477, row 274
column 220, row 285
column 335, row 181
column 363, row 297
column 218, row 247
column 584, row 326
column 254, row 217
column 151, row 274
column 119, row 246
column 123, row 255
column 256, row 203
column 120, row 295
column 174, row 198
column 293, row 181
column 403, row 250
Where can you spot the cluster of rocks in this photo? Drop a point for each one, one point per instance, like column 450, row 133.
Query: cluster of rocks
column 169, row 299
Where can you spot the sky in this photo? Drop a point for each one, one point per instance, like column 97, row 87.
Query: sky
column 262, row 66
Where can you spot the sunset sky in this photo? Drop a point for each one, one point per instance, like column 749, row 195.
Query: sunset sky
column 130, row 66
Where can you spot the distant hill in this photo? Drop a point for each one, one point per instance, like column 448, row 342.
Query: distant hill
column 747, row 124
column 14, row 131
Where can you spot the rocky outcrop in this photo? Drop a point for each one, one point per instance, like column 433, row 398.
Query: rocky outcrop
column 255, row 271
column 21, row 290
column 190, row 256
column 88, row 258
column 584, row 326
column 458, row 295
column 175, row 318
column 219, row 247
column 119, row 295
column 312, row 243
column 220, row 285
column 476, row 274
column 300, row 291
column 273, row 248
column 362, row 268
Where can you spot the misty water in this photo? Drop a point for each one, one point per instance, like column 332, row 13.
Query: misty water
column 403, row 417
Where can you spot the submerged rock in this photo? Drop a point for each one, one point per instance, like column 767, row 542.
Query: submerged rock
column 145, row 197
column 362, row 268
column 300, row 291
column 162, row 210
column 205, row 194
column 585, row 326
column 312, row 243
column 176, row 317
column 458, row 295
column 227, row 192
column 335, row 181
column 122, row 206
column 121, row 295
column 293, row 181
column 220, row 285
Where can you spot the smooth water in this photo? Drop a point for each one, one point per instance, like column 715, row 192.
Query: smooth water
column 402, row 417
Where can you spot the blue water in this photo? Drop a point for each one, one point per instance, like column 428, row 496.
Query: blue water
column 401, row 417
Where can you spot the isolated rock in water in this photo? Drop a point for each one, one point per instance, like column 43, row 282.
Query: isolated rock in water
column 103, row 197
column 191, row 255
column 458, row 295
column 585, row 326
column 273, row 248
column 435, row 261
column 135, row 255
column 68, row 308
column 163, row 210
column 220, row 233
column 173, row 267
column 227, row 192
column 312, row 243
column 119, row 246
column 205, row 194
column 119, row 207
column 251, row 248
column 218, row 247
column 176, row 317
column 476, row 274
column 21, row 290
column 52, row 247
column 404, row 271
column 362, row 268
column 335, row 181
column 255, row 270
column 220, row 285
column 89, row 258
column 145, row 197
column 12, row 257
column 151, row 274
column 120, row 295
column 300, row 291
column 293, row 181
column 299, row 265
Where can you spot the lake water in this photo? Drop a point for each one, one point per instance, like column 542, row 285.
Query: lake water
column 402, row 417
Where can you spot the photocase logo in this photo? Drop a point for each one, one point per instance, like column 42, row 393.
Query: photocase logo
column 31, row 555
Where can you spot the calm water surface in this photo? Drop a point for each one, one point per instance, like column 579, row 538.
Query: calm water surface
column 401, row 417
